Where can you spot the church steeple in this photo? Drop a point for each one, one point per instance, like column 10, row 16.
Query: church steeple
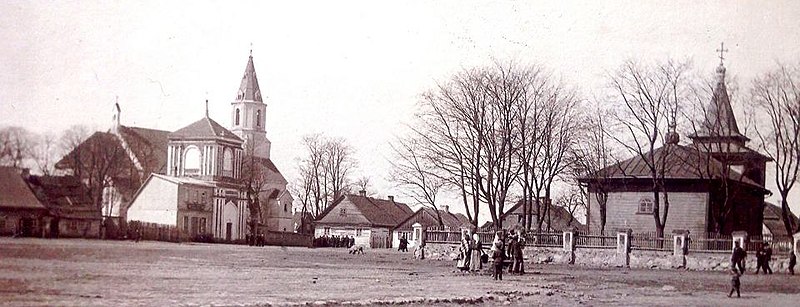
column 719, row 123
column 248, row 114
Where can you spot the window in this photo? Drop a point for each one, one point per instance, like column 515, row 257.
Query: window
column 342, row 212
column 186, row 224
column 195, row 225
column 202, row 225
column 258, row 118
column 358, row 232
column 73, row 225
column 191, row 164
column 645, row 206
column 236, row 118
column 2, row 223
column 227, row 162
column 285, row 208
column 327, row 230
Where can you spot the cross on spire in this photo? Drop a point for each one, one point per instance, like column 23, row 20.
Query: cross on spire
column 721, row 50
column 251, row 48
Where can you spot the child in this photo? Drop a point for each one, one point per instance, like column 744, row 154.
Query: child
column 735, row 282
column 498, row 255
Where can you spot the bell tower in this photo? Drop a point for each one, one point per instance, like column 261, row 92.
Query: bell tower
column 248, row 113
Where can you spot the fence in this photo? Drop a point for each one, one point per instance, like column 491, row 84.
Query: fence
column 650, row 241
column 157, row 232
column 595, row 240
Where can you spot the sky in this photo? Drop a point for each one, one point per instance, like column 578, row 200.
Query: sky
column 348, row 69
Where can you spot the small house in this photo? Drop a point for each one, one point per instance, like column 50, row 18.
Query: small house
column 368, row 220
column 427, row 217
column 21, row 213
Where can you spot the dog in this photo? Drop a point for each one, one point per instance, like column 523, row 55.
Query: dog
column 356, row 249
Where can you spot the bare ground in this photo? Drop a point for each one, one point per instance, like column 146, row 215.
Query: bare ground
column 113, row 273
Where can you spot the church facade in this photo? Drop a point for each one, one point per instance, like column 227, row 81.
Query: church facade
column 202, row 191
column 715, row 184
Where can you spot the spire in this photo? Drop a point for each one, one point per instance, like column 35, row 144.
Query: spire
column 719, row 123
column 206, row 108
column 249, row 89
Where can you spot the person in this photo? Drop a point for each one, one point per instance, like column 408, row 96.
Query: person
column 760, row 260
column 737, row 258
column 498, row 255
column 464, row 255
column 767, row 258
column 735, row 284
column 792, row 261
column 519, row 263
column 510, row 248
column 477, row 253
column 403, row 244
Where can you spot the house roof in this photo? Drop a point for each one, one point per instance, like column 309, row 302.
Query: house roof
column 15, row 192
column 560, row 218
column 683, row 162
column 64, row 196
column 249, row 89
column 773, row 219
column 379, row 212
column 148, row 145
column 205, row 128
column 426, row 216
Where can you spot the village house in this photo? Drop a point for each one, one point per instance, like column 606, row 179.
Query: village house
column 72, row 214
column 773, row 223
column 368, row 220
column 21, row 213
column 557, row 219
column 715, row 176
column 425, row 218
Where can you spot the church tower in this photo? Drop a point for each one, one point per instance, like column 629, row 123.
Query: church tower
column 248, row 113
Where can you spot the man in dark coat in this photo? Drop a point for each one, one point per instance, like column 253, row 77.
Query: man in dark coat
column 737, row 258
column 792, row 261
column 510, row 248
column 767, row 258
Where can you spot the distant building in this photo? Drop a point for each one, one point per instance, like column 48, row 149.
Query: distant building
column 557, row 219
column 695, row 181
column 427, row 218
column 72, row 213
column 369, row 220
column 773, row 220
column 21, row 213
column 202, row 192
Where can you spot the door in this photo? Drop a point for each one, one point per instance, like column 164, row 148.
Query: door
column 228, row 229
column 26, row 227
column 54, row 228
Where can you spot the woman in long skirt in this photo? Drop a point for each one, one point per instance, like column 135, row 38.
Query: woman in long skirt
column 465, row 252
column 477, row 252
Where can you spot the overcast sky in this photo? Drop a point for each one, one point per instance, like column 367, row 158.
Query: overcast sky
column 349, row 69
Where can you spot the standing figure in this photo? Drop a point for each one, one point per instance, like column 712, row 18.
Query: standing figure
column 498, row 255
column 519, row 263
column 760, row 260
column 464, row 252
column 735, row 284
column 737, row 258
column 767, row 258
column 792, row 261
column 477, row 253
column 510, row 248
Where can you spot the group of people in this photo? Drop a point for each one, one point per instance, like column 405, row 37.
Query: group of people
column 506, row 250
column 334, row 241
column 403, row 246
column 763, row 257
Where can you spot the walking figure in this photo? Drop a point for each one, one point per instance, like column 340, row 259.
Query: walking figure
column 735, row 284
column 737, row 258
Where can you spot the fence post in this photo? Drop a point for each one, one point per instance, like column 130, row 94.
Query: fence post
column 796, row 244
column 741, row 237
column 680, row 246
column 569, row 244
column 624, row 247
column 417, row 235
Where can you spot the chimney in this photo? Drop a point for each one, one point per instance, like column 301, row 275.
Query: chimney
column 391, row 198
column 362, row 193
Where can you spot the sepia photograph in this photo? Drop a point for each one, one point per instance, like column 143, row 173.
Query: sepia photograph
column 399, row 153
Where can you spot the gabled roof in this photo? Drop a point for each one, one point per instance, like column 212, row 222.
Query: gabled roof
column 248, row 89
column 560, row 218
column 64, row 196
column 379, row 212
column 205, row 128
column 773, row 219
column 427, row 217
column 682, row 162
column 15, row 193
column 273, row 174
column 148, row 145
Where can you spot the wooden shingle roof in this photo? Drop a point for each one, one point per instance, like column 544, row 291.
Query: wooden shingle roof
column 15, row 193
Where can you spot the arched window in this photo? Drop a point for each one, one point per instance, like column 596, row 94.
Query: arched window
column 236, row 118
column 645, row 206
column 227, row 163
column 258, row 118
column 191, row 164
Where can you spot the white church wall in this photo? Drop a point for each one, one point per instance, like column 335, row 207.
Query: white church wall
column 156, row 203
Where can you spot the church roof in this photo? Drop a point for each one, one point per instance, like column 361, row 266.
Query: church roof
column 205, row 128
column 15, row 192
column 273, row 174
column 683, row 162
column 148, row 145
column 249, row 90
column 719, row 121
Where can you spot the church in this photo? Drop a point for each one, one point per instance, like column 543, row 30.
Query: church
column 715, row 184
column 201, row 191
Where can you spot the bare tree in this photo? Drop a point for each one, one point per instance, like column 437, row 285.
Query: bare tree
column 414, row 172
column 16, row 146
column 254, row 179
column 649, row 96
column 572, row 200
column 777, row 94
column 46, row 153
column 324, row 172
column 593, row 155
